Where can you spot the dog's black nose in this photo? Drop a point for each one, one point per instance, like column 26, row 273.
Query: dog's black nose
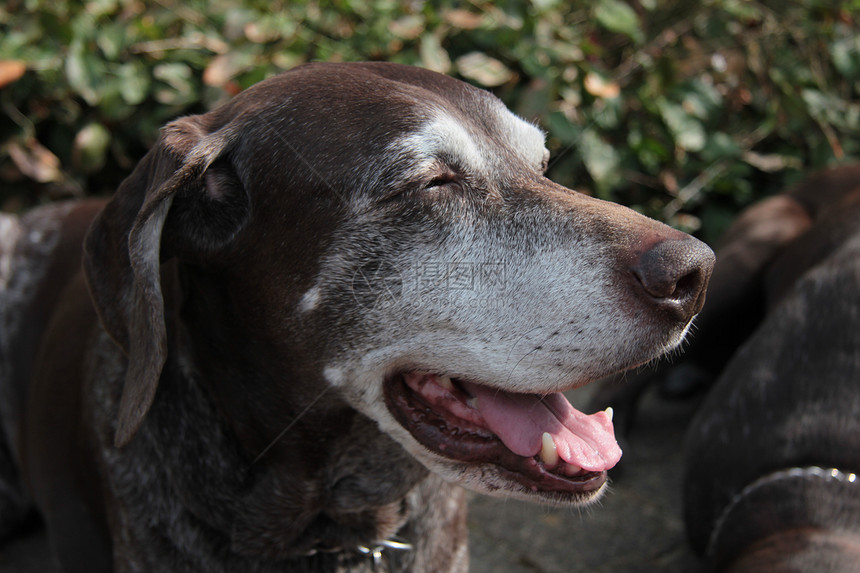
column 675, row 274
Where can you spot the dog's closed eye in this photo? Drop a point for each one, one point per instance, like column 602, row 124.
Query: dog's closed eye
column 447, row 179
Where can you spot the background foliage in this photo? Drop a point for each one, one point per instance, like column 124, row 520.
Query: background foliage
column 684, row 110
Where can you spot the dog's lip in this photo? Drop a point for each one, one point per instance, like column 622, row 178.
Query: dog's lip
column 441, row 415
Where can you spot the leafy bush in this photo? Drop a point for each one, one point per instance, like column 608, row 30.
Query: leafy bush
column 684, row 110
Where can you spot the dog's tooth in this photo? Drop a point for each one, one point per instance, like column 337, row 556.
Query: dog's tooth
column 548, row 451
column 472, row 403
column 445, row 382
column 571, row 470
column 610, row 412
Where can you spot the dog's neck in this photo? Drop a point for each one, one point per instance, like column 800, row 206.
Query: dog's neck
column 321, row 479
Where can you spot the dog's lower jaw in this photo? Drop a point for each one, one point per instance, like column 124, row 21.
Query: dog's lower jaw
column 496, row 482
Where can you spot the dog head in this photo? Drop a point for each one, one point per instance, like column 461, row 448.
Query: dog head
column 386, row 235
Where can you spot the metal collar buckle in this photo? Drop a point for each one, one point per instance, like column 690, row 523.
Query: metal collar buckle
column 375, row 552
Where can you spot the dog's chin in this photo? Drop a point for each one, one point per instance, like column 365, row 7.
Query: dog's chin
column 496, row 481
column 439, row 423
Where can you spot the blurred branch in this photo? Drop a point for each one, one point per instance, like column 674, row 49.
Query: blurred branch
column 192, row 42
column 692, row 191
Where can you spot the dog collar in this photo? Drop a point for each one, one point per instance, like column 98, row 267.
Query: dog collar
column 792, row 497
column 379, row 554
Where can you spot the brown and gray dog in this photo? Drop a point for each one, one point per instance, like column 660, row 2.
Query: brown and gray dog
column 772, row 478
column 308, row 315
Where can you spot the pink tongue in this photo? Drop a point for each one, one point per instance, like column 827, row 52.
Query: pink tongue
column 520, row 420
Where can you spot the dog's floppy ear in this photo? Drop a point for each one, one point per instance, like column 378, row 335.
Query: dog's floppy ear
column 188, row 176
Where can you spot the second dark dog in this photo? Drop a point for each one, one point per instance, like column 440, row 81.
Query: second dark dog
column 773, row 455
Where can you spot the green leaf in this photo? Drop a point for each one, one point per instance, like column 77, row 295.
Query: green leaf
column 650, row 152
column 90, row 148
column 601, row 159
column 544, row 5
column 408, row 27
column 433, row 55
column 617, row 16
column 846, row 56
column 701, row 99
column 483, row 69
column 561, row 127
column 745, row 11
column 82, row 73
column 688, row 132
column 720, row 146
column 179, row 88
column 135, row 82
column 112, row 40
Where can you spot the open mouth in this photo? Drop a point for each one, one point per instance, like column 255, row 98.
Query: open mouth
column 540, row 441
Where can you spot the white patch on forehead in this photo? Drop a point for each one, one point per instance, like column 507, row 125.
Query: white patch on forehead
column 525, row 137
column 444, row 137
column 310, row 300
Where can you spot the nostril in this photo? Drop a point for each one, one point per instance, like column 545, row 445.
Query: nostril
column 689, row 284
column 675, row 273
column 660, row 283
